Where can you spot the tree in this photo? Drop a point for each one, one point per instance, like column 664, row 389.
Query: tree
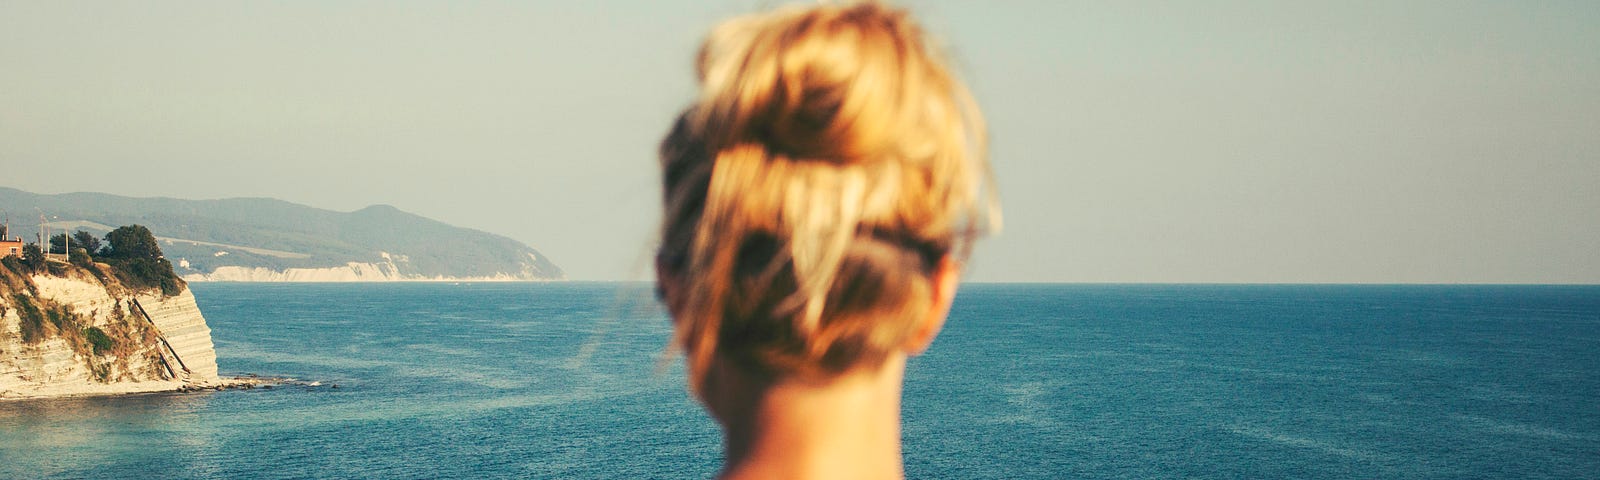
column 135, row 257
column 87, row 241
column 132, row 241
column 33, row 257
column 58, row 243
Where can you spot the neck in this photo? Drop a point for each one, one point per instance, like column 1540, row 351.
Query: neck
column 844, row 428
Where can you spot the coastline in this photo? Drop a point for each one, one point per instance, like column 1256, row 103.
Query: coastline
column 350, row 272
column 139, row 388
column 393, row 280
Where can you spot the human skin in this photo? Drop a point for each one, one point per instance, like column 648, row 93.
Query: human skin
column 844, row 427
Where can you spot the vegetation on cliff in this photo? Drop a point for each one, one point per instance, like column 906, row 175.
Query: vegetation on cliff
column 130, row 259
column 105, row 351
column 129, row 262
column 136, row 260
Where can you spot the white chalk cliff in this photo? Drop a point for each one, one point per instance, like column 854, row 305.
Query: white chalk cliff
column 387, row 270
column 351, row 272
column 63, row 363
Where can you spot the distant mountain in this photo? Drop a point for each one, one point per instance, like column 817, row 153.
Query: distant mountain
column 263, row 239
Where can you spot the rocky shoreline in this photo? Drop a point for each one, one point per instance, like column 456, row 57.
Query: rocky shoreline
column 236, row 383
column 135, row 388
column 249, row 382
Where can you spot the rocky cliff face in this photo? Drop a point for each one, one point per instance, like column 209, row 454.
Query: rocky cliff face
column 76, row 334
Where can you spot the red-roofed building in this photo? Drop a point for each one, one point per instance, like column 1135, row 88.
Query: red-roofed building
column 9, row 245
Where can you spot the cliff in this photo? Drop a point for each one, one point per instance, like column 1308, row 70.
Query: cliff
column 385, row 270
column 76, row 330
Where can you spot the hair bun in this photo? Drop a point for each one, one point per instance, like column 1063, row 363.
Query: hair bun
column 839, row 84
column 828, row 164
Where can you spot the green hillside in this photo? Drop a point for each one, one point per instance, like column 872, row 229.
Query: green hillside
column 261, row 232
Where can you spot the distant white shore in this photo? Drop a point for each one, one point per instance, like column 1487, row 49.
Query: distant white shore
column 351, row 272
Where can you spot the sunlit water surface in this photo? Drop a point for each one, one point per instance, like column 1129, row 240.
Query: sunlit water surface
column 1027, row 381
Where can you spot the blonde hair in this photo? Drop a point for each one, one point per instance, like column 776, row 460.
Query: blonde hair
column 829, row 165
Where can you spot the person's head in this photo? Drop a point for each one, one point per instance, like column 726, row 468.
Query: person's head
column 818, row 193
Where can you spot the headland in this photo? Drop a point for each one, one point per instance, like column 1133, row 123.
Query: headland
column 106, row 321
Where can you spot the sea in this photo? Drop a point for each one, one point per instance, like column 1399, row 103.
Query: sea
column 1050, row 381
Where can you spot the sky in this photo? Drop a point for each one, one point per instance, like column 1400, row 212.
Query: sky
column 1133, row 141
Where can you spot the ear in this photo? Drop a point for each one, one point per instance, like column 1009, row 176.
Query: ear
column 945, row 280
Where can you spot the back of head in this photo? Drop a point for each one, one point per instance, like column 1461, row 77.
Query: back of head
column 829, row 165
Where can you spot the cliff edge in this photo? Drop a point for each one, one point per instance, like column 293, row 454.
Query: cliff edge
column 75, row 329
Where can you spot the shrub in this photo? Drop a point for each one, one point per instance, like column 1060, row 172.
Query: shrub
column 102, row 372
column 81, row 257
column 14, row 264
column 15, row 277
column 144, row 274
column 62, row 318
column 102, row 343
column 33, row 258
column 33, row 329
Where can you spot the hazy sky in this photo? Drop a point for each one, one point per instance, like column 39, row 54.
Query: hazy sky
column 1134, row 141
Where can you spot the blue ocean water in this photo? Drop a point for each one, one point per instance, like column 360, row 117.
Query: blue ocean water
column 1027, row 381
